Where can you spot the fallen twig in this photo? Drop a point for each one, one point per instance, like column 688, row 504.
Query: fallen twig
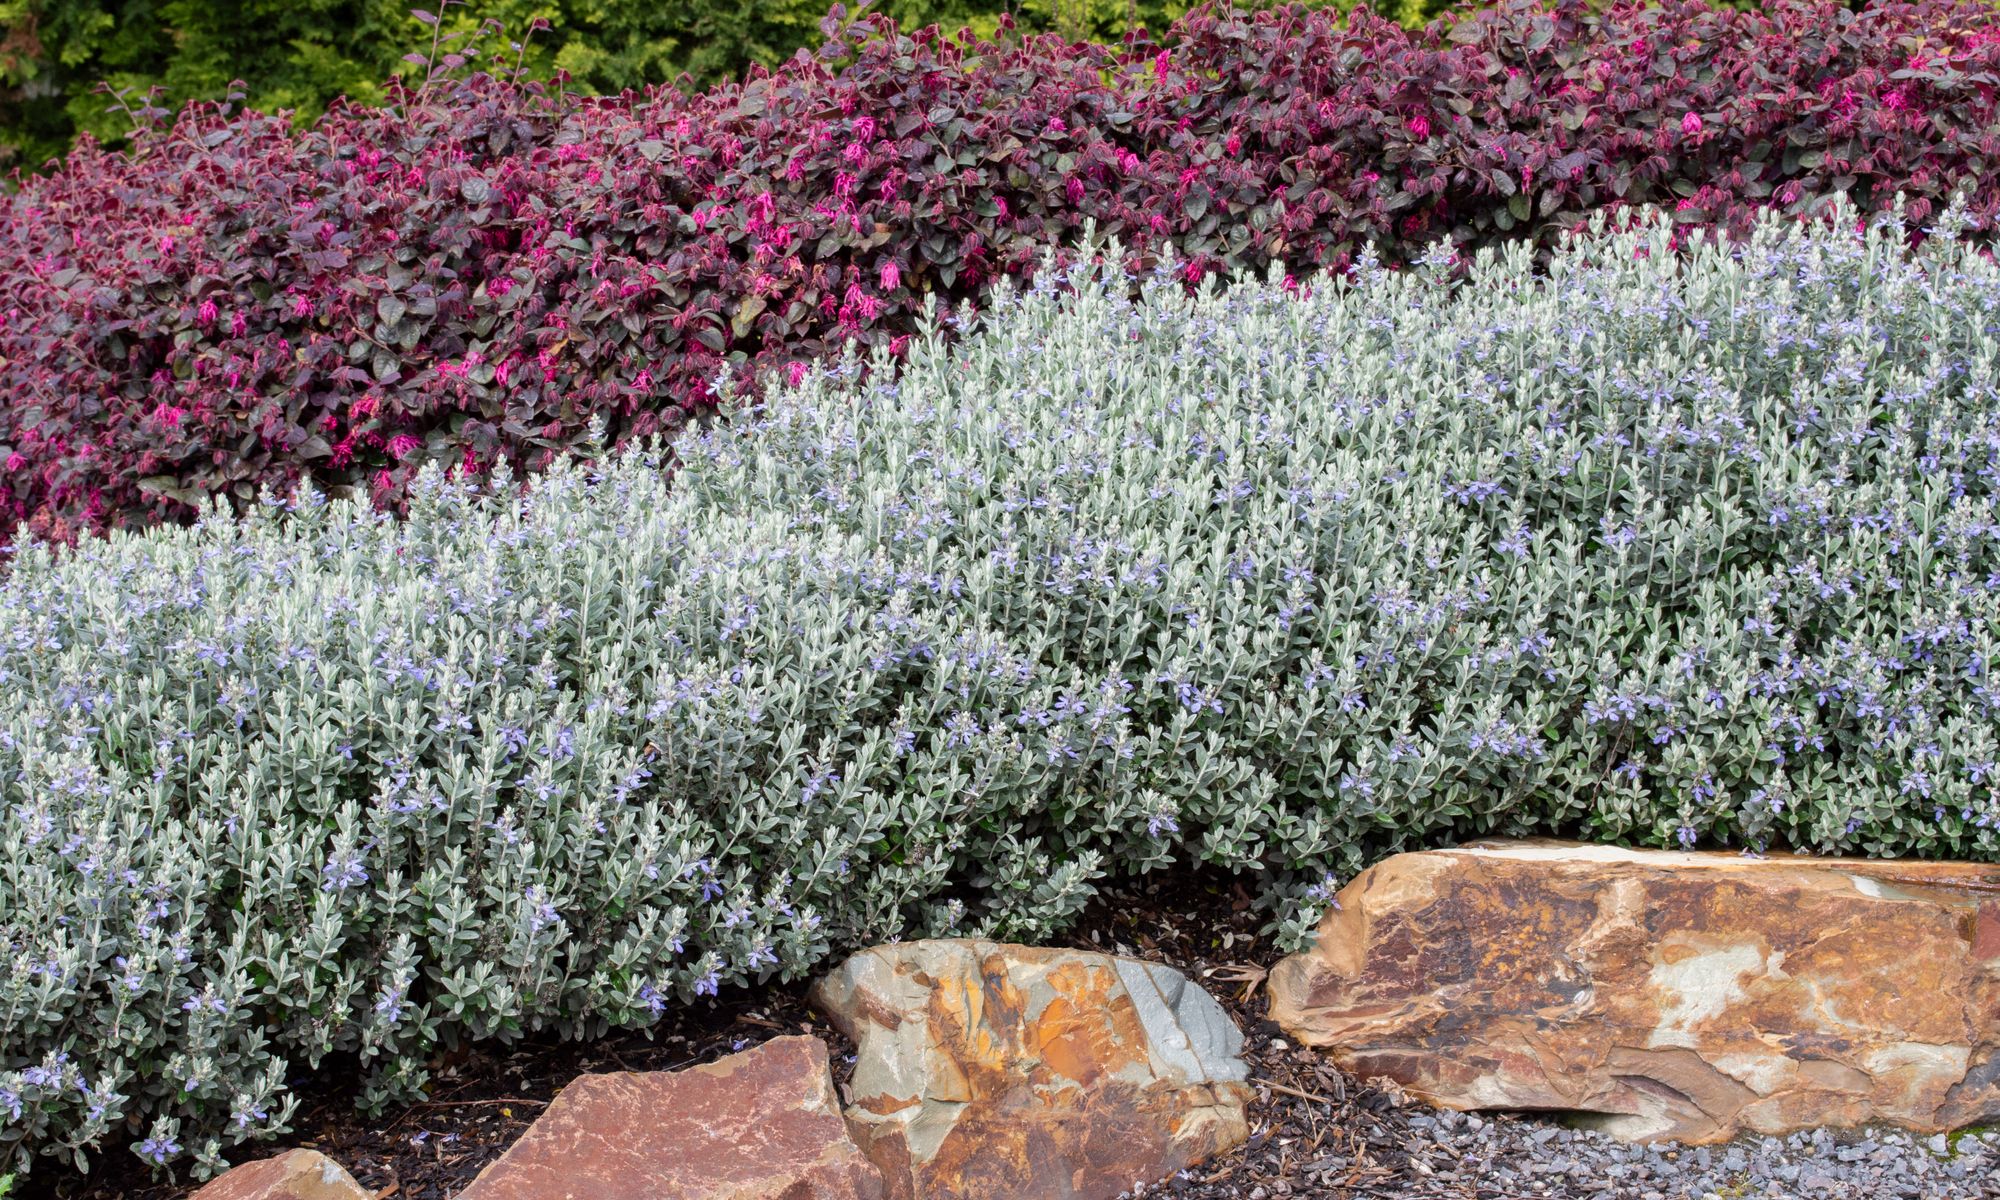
column 1292, row 1091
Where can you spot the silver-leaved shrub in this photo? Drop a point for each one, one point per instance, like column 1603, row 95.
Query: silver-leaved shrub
column 1677, row 547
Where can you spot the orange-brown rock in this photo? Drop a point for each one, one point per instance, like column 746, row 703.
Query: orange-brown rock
column 994, row 1072
column 1680, row 996
column 293, row 1175
column 760, row 1125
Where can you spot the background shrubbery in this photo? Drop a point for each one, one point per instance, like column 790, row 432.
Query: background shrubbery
column 1678, row 550
column 471, row 273
column 301, row 54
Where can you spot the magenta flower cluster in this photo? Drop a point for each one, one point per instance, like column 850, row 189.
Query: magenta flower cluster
column 472, row 273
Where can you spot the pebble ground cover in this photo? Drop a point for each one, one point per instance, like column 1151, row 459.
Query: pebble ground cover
column 1668, row 542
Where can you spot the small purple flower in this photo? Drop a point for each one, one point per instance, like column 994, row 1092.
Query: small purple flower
column 961, row 729
column 542, row 911
column 343, row 871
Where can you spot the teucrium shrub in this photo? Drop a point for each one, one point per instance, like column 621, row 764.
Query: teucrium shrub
column 1663, row 547
column 475, row 272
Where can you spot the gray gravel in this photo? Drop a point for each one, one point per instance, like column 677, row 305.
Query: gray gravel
column 1523, row 1157
column 1417, row 1153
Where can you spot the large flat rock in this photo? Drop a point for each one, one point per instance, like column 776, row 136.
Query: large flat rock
column 293, row 1175
column 1685, row 996
column 760, row 1125
column 994, row 1072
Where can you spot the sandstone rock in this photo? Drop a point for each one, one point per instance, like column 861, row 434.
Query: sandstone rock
column 760, row 1125
column 1674, row 996
column 293, row 1175
column 994, row 1072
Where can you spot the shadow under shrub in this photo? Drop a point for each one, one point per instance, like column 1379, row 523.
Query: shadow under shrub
column 1692, row 548
column 471, row 274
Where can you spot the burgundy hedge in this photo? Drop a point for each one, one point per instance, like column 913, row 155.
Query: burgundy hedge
column 474, row 271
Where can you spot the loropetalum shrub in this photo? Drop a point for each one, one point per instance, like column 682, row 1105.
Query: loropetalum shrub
column 299, row 57
column 1680, row 551
column 472, row 273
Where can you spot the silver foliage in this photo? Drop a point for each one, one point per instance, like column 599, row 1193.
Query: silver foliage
column 1694, row 546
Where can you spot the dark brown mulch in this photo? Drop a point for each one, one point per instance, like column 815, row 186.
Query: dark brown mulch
column 1315, row 1131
